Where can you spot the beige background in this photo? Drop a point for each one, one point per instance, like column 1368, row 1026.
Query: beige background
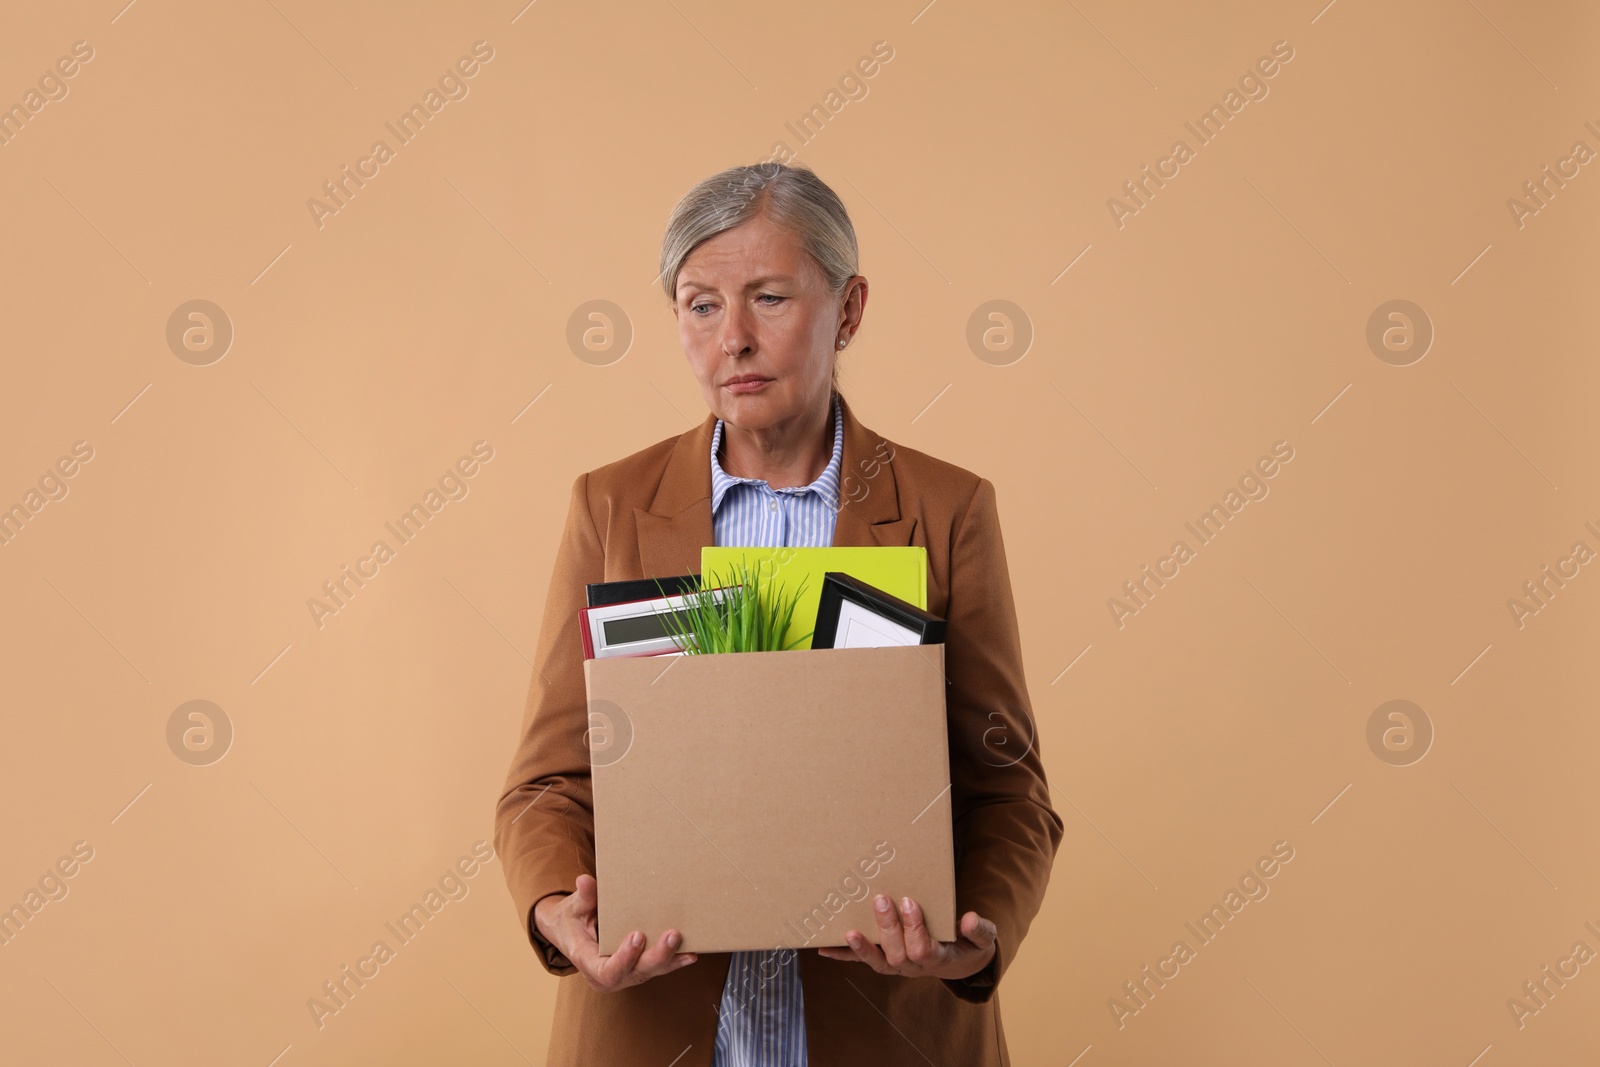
column 369, row 354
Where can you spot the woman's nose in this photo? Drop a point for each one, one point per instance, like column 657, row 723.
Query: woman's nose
column 736, row 334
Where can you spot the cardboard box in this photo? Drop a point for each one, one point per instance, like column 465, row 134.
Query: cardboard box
column 760, row 800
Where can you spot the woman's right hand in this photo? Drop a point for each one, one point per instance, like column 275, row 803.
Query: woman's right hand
column 568, row 921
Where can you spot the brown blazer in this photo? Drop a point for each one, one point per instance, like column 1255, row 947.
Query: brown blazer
column 648, row 515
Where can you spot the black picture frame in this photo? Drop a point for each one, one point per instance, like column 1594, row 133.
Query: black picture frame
column 839, row 588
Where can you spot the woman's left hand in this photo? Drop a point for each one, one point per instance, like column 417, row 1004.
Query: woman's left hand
column 906, row 948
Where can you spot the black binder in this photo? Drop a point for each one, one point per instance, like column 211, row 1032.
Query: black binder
column 599, row 594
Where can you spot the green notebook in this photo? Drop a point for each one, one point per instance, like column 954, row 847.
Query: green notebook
column 900, row 571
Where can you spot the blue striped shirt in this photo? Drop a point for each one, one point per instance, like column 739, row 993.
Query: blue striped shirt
column 762, row 1020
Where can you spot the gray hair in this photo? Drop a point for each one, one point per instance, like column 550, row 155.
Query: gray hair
column 791, row 196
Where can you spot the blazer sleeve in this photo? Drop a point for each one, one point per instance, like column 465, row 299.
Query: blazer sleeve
column 544, row 821
column 1006, row 831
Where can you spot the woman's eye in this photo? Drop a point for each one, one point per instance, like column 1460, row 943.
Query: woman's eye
column 774, row 297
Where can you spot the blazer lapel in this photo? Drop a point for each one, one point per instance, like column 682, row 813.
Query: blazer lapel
column 678, row 522
column 869, row 490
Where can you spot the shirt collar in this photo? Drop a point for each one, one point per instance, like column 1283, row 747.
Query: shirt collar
column 826, row 485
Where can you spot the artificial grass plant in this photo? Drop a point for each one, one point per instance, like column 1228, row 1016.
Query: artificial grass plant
column 734, row 614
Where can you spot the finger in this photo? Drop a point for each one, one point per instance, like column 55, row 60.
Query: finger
column 575, row 935
column 847, row 952
column 864, row 951
column 978, row 930
column 617, row 968
column 586, row 897
column 663, row 956
column 921, row 948
column 582, row 906
column 891, row 942
column 840, row 952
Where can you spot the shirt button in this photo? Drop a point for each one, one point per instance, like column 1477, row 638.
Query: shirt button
column 772, row 505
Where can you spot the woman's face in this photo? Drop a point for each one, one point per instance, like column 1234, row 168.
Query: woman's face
column 751, row 302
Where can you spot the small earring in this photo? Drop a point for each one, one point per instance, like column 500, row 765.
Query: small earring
column 842, row 342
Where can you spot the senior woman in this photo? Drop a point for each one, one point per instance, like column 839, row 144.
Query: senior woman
column 759, row 263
